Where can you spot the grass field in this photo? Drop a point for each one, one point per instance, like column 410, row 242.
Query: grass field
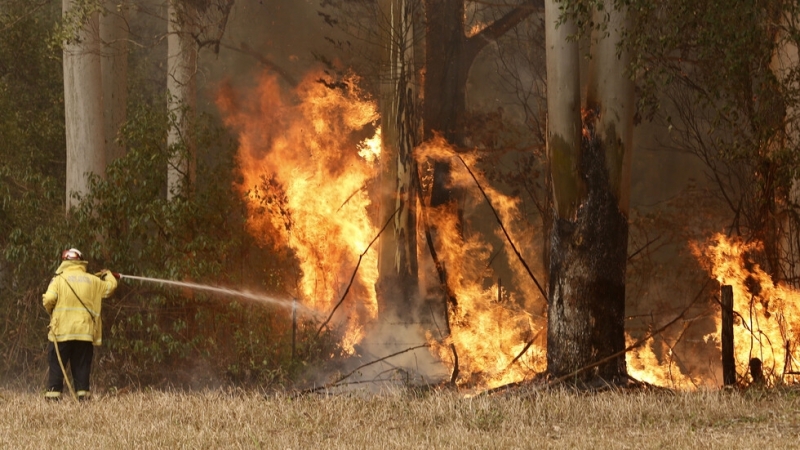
column 755, row 419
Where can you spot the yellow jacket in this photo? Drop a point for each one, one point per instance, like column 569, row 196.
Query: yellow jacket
column 69, row 319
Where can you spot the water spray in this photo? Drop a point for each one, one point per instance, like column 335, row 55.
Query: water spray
column 283, row 303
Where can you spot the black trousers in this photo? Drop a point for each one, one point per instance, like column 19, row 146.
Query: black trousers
column 77, row 355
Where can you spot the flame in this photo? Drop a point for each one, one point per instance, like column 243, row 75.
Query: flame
column 305, row 166
column 496, row 341
column 370, row 148
column 305, row 178
column 644, row 365
column 766, row 314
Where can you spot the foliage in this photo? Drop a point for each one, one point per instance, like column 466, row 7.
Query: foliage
column 32, row 172
column 730, row 95
column 724, row 78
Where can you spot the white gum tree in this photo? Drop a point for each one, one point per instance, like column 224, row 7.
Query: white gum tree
column 589, row 150
column 182, row 52
column 83, row 98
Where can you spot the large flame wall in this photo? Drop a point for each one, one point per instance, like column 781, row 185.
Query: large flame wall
column 305, row 178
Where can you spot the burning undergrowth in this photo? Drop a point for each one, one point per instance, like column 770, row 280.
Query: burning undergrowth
column 309, row 164
column 766, row 314
column 493, row 339
column 307, row 188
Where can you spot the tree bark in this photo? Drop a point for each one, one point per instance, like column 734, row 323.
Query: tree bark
column 182, row 89
column 83, row 103
column 398, row 283
column 114, row 69
column 590, row 169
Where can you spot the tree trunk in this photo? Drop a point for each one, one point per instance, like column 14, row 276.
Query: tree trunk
column 398, row 285
column 784, row 64
column 590, row 169
column 449, row 55
column 114, row 68
column 445, row 91
column 83, row 103
column 182, row 89
column 446, row 70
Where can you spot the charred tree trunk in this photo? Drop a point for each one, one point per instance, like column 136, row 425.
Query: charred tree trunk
column 590, row 169
column 586, row 316
column 446, row 72
column 728, row 358
column 398, row 284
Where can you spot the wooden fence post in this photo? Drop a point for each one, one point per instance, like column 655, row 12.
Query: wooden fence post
column 728, row 360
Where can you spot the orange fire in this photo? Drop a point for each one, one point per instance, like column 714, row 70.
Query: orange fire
column 766, row 314
column 644, row 365
column 305, row 177
column 497, row 342
column 306, row 166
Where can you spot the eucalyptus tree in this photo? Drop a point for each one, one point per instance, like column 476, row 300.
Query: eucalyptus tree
column 589, row 145
column 191, row 26
column 182, row 94
column 83, row 96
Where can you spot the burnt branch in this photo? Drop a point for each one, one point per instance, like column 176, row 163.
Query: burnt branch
column 502, row 227
column 355, row 271
column 349, row 374
column 642, row 248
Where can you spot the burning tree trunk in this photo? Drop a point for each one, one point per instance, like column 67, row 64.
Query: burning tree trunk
column 398, row 284
column 182, row 91
column 449, row 55
column 114, row 68
column 83, row 99
column 590, row 169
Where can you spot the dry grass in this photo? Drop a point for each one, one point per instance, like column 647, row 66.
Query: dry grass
column 554, row 419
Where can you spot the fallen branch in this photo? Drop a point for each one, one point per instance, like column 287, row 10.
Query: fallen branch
column 502, row 227
column 441, row 270
column 349, row 374
column 524, row 350
column 355, row 271
column 456, row 370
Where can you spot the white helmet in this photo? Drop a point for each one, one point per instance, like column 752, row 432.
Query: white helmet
column 72, row 254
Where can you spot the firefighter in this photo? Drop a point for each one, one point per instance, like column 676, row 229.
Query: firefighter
column 73, row 300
